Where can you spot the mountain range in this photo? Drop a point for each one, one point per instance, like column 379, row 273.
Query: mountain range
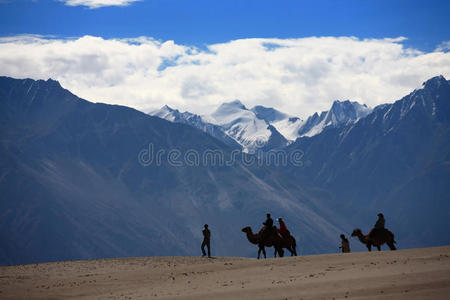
column 74, row 184
column 83, row 180
column 263, row 128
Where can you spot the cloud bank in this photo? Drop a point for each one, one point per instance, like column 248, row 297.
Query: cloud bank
column 298, row 76
column 98, row 3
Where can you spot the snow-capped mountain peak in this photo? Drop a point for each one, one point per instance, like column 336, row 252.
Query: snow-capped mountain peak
column 197, row 121
column 264, row 127
column 344, row 111
column 232, row 121
column 231, row 106
column 229, row 111
column 269, row 114
column 165, row 112
column 173, row 115
column 341, row 112
column 241, row 124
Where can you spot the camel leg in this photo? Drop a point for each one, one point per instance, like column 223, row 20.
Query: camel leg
column 379, row 248
column 261, row 249
column 294, row 247
column 281, row 252
column 391, row 246
column 290, row 250
column 369, row 247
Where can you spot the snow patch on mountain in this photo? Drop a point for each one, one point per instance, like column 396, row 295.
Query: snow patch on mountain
column 289, row 127
column 269, row 114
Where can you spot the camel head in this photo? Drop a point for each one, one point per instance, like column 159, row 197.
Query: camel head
column 357, row 232
column 247, row 229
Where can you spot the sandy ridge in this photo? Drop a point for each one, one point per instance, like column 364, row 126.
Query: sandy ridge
column 404, row 274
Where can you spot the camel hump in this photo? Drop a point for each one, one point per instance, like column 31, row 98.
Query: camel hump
column 390, row 233
column 380, row 232
column 285, row 234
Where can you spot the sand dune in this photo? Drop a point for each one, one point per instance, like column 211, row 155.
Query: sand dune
column 404, row 274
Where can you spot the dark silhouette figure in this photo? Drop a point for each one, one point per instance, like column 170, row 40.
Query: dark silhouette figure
column 379, row 226
column 381, row 222
column 268, row 222
column 272, row 240
column 206, row 241
column 345, row 244
column 379, row 238
column 267, row 229
column 289, row 241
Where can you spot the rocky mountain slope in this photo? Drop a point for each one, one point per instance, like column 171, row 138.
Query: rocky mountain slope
column 395, row 160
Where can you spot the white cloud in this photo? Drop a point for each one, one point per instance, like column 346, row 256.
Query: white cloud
column 444, row 46
column 298, row 76
column 98, row 3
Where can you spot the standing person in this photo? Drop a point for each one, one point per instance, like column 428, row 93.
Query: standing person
column 345, row 244
column 206, row 241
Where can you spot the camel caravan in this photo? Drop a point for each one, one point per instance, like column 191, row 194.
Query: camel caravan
column 271, row 236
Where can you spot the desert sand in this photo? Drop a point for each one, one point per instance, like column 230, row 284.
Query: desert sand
column 403, row 274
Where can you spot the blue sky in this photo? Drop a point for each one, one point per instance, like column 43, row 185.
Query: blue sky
column 199, row 22
column 195, row 54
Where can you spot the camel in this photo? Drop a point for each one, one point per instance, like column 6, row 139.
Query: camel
column 289, row 243
column 379, row 238
column 274, row 240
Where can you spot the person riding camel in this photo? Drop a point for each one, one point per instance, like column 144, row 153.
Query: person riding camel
column 381, row 222
column 379, row 225
column 283, row 229
column 345, row 244
column 268, row 226
column 268, row 222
